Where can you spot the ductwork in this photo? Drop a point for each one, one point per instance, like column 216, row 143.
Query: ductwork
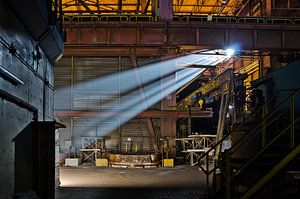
column 36, row 16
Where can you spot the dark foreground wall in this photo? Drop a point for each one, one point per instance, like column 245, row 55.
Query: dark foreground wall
column 24, row 100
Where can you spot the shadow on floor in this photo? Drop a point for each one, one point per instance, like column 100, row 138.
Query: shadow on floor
column 128, row 193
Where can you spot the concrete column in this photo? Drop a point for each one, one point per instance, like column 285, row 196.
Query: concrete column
column 165, row 10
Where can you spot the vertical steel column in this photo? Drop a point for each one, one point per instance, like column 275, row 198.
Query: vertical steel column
column 219, row 124
column 165, row 11
column 138, row 4
column 72, row 101
column 207, row 177
column 269, row 7
column 155, row 8
column 292, row 118
column 260, row 67
column 189, row 121
column 222, row 122
column 120, row 6
column 120, row 100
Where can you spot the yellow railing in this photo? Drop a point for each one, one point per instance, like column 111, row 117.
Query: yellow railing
column 266, row 121
column 270, row 175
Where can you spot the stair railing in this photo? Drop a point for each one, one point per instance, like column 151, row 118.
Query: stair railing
column 265, row 143
column 205, row 157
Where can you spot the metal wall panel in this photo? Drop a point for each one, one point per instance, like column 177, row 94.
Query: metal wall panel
column 72, row 74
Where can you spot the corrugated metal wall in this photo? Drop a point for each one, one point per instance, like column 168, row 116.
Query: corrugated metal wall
column 78, row 71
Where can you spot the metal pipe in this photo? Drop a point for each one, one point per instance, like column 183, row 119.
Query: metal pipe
column 10, row 77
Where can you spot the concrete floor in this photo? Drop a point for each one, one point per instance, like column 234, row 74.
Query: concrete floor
column 181, row 182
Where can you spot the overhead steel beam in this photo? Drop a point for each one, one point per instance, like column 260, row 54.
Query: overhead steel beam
column 86, row 6
column 154, row 37
column 146, row 7
column 120, row 4
column 146, row 114
column 138, row 4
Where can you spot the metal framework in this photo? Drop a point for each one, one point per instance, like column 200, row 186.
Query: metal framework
column 179, row 7
column 161, row 38
column 91, row 148
column 196, row 145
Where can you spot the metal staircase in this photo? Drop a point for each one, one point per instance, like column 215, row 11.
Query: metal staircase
column 262, row 149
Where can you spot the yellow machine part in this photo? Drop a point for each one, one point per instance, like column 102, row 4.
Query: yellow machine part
column 168, row 162
column 102, row 162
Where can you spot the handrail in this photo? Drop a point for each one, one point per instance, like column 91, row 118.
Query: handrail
column 295, row 91
column 257, row 20
column 250, row 160
column 84, row 18
column 264, row 119
column 252, row 133
column 138, row 18
column 279, row 21
column 271, row 174
column 296, row 21
column 120, row 17
column 264, row 148
column 183, row 18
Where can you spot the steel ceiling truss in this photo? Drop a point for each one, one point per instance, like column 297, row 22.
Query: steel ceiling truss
column 106, row 7
column 180, row 7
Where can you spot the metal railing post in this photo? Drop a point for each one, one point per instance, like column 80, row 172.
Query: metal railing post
column 228, row 174
column 207, row 177
column 264, row 126
column 292, row 118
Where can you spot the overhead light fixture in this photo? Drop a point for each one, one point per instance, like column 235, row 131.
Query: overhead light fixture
column 229, row 52
column 5, row 74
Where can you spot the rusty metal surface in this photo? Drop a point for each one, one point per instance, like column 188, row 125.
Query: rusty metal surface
column 131, row 161
column 158, row 38
column 146, row 114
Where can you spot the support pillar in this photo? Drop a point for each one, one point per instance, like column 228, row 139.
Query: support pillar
column 189, row 121
column 165, row 10
column 167, row 124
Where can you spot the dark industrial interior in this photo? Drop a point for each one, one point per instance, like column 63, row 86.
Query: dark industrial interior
column 181, row 99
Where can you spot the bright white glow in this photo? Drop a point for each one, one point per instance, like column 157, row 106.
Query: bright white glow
column 230, row 107
column 121, row 96
column 230, row 52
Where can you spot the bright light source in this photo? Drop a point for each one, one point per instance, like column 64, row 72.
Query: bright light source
column 229, row 52
column 230, row 107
